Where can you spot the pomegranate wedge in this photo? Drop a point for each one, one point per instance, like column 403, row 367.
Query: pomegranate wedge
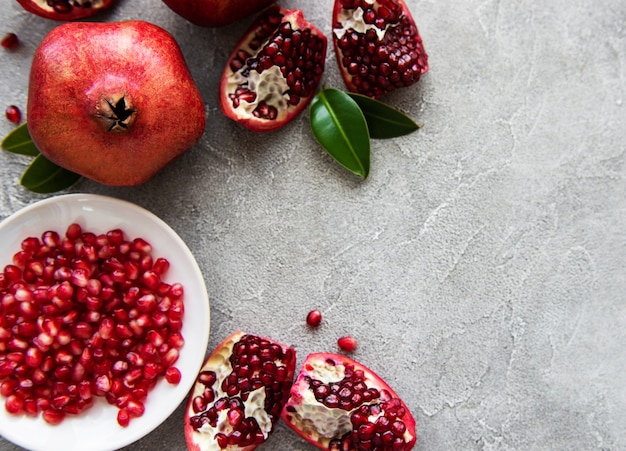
column 239, row 394
column 378, row 46
column 274, row 70
column 338, row 404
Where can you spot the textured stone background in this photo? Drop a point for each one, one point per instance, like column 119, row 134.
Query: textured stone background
column 481, row 265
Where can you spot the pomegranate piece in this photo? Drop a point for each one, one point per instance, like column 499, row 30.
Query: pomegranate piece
column 114, row 102
column 72, row 327
column 63, row 10
column 239, row 394
column 378, row 45
column 215, row 13
column 274, row 70
column 338, row 404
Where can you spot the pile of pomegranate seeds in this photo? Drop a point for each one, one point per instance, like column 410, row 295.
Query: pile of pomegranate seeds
column 86, row 316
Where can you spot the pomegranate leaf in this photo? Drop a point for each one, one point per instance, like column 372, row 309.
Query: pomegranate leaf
column 383, row 121
column 18, row 141
column 339, row 126
column 43, row 176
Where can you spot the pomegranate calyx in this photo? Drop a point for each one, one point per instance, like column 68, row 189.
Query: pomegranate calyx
column 117, row 115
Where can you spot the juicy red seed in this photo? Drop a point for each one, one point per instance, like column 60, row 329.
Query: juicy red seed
column 173, row 375
column 13, row 114
column 10, row 41
column 123, row 418
column 314, row 318
column 347, row 343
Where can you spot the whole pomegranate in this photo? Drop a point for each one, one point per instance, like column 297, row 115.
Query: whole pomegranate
column 239, row 394
column 338, row 404
column 378, row 46
column 215, row 13
column 63, row 10
column 273, row 72
column 114, row 102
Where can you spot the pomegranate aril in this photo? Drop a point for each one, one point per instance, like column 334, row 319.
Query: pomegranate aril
column 13, row 114
column 347, row 343
column 10, row 41
column 314, row 318
column 173, row 376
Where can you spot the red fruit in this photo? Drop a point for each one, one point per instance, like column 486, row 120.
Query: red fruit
column 347, row 343
column 114, row 102
column 239, row 394
column 338, row 404
column 378, row 46
column 63, row 10
column 215, row 13
column 314, row 318
column 274, row 70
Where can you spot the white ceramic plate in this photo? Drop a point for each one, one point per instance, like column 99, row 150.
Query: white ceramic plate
column 97, row 429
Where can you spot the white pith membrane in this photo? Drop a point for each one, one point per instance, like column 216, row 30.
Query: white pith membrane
column 323, row 423
column 353, row 19
column 269, row 85
column 254, row 405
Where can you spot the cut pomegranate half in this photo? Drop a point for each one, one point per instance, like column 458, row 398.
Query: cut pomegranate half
column 239, row 394
column 338, row 404
column 64, row 10
column 274, row 70
column 378, row 46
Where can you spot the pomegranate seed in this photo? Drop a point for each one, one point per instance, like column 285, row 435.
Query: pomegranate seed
column 347, row 343
column 172, row 375
column 10, row 41
column 13, row 114
column 314, row 318
column 123, row 418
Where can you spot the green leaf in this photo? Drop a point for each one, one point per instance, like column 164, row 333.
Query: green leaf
column 340, row 127
column 383, row 120
column 44, row 177
column 18, row 141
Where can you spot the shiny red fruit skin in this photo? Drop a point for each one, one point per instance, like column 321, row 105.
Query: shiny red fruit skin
column 210, row 364
column 215, row 13
column 294, row 16
column 301, row 386
column 38, row 8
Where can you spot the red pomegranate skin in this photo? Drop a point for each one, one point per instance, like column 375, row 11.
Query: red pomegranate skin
column 215, row 13
column 79, row 67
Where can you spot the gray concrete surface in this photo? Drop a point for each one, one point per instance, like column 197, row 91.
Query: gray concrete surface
column 481, row 265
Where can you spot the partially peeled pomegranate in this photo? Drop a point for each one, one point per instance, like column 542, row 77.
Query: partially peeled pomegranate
column 239, row 394
column 63, row 10
column 114, row 102
column 215, row 13
column 338, row 404
column 378, row 45
column 274, row 70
